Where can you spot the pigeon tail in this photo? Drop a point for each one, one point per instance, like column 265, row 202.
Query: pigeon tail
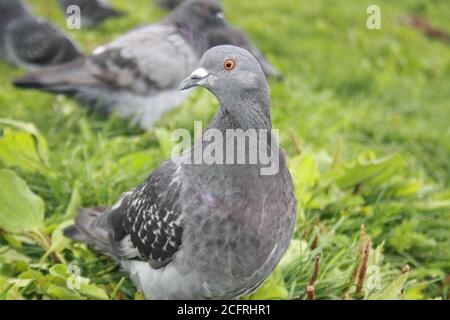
column 33, row 81
column 88, row 228
column 64, row 78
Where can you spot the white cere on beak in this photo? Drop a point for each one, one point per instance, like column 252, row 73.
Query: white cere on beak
column 220, row 15
column 99, row 50
column 200, row 73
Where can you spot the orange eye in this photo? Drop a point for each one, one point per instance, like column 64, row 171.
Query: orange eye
column 229, row 64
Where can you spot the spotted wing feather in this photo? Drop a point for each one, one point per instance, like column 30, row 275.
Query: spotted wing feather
column 152, row 217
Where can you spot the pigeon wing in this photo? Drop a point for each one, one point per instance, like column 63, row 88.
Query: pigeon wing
column 35, row 41
column 151, row 216
column 147, row 59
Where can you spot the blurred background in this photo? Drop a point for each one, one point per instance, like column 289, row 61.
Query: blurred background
column 363, row 116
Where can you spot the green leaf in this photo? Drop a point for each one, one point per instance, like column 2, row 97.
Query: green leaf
column 9, row 291
column 74, row 203
column 59, row 241
column 60, row 271
column 10, row 255
column 273, row 288
column 18, row 149
column 92, row 291
column 392, row 291
column 61, row 293
column 296, row 254
column 21, row 210
column 136, row 162
column 368, row 170
column 39, row 145
column 432, row 205
column 416, row 292
column 407, row 189
column 12, row 240
column 81, row 284
column 305, row 175
column 139, row 296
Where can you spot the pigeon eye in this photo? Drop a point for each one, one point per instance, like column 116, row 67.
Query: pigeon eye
column 229, row 64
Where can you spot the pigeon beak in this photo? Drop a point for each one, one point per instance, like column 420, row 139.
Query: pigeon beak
column 194, row 79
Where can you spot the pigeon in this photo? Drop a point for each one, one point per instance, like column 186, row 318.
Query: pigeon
column 136, row 76
column 169, row 4
column 92, row 12
column 31, row 42
column 198, row 230
column 227, row 34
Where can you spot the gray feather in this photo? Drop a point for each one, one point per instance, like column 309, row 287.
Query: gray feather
column 31, row 42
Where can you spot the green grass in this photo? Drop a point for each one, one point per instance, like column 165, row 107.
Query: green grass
column 370, row 111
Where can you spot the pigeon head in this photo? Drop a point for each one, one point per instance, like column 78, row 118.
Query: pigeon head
column 227, row 69
column 204, row 13
column 235, row 77
column 10, row 4
column 10, row 9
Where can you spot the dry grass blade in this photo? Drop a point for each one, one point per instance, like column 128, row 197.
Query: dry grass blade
column 362, row 244
column 337, row 153
column 310, row 293
column 314, row 243
column 406, row 269
column 362, row 270
column 426, row 28
column 295, row 141
column 315, row 274
column 359, row 254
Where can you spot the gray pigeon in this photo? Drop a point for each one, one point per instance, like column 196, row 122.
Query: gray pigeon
column 169, row 4
column 227, row 34
column 92, row 12
column 137, row 75
column 205, row 231
column 31, row 42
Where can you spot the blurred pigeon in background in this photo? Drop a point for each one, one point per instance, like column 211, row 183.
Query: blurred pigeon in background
column 31, row 42
column 137, row 75
column 169, row 4
column 227, row 34
column 205, row 231
column 93, row 12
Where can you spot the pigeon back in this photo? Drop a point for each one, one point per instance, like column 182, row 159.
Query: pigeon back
column 35, row 42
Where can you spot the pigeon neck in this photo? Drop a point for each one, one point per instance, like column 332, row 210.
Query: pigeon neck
column 248, row 110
